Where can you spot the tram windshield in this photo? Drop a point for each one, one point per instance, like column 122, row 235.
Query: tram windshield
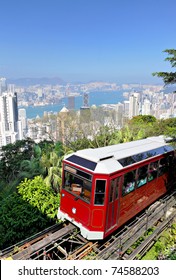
column 77, row 182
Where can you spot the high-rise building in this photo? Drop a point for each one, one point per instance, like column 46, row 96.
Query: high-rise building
column 23, row 119
column 119, row 114
column 146, row 107
column 134, row 105
column 3, row 86
column 10, row 126
column 126, row 108
column 62, row 122
column 85, row 113
column 71, row 102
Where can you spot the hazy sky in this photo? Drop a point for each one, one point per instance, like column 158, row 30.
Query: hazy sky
column 83, row 40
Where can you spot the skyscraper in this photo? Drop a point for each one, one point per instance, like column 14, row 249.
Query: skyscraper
column 126, row 108
column 85, row 113
column 134, row 105
column 22, row 117
column 3, row 86
column 71, row 102
column 146, row 107
column 10, row 127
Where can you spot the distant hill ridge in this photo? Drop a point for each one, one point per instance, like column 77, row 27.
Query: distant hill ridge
column 25, row 82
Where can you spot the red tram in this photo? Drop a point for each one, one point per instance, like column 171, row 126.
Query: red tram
column 105, row 187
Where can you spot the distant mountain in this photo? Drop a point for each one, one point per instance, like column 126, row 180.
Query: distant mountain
column 25, row 82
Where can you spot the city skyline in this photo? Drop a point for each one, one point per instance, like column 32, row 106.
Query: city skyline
column 107, row 40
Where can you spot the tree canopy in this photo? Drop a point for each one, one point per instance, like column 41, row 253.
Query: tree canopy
column 31, row 208
column 169, row 78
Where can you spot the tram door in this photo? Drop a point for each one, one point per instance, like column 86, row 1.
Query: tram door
column 113, row 201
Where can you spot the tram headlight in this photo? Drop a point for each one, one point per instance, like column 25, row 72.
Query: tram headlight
column 74, row 210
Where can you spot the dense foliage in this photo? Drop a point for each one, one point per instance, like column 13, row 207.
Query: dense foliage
column 32, row 208
column 18, row 161
column 19, row 220
column 38, row 195
column 164, row 247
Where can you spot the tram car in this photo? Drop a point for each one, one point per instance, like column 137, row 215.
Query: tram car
column 103, row 188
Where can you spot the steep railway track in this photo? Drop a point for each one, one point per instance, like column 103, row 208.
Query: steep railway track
column 30, row 240
column 38, row 244
column 122, row 245
column 65, row 242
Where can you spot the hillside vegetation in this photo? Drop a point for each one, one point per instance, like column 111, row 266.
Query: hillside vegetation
column 31, row 175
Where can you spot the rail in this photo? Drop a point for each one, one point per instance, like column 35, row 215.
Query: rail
column 122, row 241
column 32, row 239
column 34, row 246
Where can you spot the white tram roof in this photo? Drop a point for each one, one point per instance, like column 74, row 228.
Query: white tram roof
column 109, row 159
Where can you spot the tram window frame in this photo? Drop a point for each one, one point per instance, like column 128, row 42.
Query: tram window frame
column 111, row 191
column 163, row 168
column 129, row 186
column 100, row 190
column 114, row 189
column 78, row 186
column 118, row 181
column 153, row 171
column 142, row 178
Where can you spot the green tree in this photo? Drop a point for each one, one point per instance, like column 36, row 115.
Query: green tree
column 39, row 195
column 52, row 164
column 145, row 126
column 11, row 157
column 18, row 161
column 51, row 161
column 29, row 169
column 79, row 144
column 170, row 126
column 46, row 146
column 19, row 220
column 142, row 119
column 169, row 78
column 104, row 137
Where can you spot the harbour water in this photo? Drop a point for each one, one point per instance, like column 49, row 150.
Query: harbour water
column 95, row 98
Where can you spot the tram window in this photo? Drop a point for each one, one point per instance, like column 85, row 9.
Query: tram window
column 163, row 166
column 111, row 190
column 142, row 176
column 114, row 186
column 153, row 169
column 77, row 186
column 100, row 192
column 129, row 183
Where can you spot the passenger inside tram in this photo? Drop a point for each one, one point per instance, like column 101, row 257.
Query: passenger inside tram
column 129, row 183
